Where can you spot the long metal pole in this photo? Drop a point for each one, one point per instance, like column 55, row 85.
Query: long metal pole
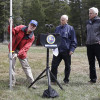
column 48, row 73
column 10, row 67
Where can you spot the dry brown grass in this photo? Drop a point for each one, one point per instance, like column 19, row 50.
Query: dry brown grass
column 78, row 88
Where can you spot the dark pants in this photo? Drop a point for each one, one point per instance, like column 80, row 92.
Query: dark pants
column 92, row 52
column 56, row 61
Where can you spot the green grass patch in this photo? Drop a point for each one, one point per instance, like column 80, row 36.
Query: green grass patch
column 77, row 89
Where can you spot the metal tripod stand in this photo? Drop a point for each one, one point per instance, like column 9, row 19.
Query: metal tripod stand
column 48, row 73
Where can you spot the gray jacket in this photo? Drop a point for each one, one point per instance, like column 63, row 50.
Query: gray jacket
column 93, row 31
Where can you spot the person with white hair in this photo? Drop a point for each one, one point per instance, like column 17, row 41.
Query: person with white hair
column 65, row 49
column 93, row 42
column 95, row 10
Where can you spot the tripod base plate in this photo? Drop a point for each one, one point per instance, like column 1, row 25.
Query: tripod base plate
column 50, row 93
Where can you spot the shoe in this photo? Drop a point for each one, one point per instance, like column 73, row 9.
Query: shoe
column 13, row 85
column 34, row 87
column 17, row 83
column 53, row 83
column 92, row 81
column 66, row 81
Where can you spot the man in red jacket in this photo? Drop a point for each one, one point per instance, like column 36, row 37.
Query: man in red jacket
column 22, row 39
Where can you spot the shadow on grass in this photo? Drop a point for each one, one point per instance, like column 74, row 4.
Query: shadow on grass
column 95, row 99
column 21, row 82
column 77, row 84
column 4, row 84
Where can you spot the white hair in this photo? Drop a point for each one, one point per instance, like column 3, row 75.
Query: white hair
column 64, row 16
column 95, row 10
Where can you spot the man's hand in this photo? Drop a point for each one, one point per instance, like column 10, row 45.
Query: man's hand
column 99, row 42
column 10, row 21
column 70, row 53
column 14, row 55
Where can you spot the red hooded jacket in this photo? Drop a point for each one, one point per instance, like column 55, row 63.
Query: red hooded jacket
column 20, row 40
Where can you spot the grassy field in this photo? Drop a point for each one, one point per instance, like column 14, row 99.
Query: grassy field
column 77, row 89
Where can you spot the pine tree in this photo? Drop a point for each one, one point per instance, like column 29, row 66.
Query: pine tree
column 53, row 10
column 4, row 12
column 17, row 10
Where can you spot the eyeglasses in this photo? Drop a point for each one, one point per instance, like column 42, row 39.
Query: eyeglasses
column 33, row 25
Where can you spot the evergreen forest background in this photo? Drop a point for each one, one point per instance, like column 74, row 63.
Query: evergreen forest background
column 46, row 12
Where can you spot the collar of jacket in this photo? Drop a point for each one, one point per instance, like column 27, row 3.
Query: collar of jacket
column 27, row 36
column 63, row 26
column 93, row 20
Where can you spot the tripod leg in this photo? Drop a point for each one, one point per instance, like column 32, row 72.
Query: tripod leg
column 56, row 80
column 48, row 75
column 37, row 78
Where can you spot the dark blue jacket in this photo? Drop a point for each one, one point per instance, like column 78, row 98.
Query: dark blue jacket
column 68, row 40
